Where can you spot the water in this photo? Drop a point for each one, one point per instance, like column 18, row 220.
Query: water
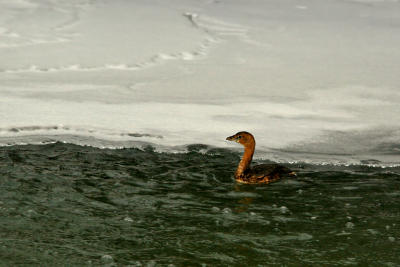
column 317, row 76
column 100, row 101
column 64, row 204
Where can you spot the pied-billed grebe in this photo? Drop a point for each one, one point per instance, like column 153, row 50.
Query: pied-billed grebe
column 260, row 174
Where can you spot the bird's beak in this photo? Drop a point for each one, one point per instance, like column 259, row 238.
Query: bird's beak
column 231, row 138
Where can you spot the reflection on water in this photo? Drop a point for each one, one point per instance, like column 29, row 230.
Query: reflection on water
column 64, row 204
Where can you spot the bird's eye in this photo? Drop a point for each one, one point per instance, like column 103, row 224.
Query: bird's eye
column 239, row 136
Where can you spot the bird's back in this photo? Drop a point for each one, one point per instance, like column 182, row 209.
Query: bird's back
column 264, row 173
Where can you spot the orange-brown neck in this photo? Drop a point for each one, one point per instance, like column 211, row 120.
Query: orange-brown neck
column 244, row 164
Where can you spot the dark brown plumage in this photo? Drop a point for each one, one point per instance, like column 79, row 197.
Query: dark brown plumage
column 259, row 174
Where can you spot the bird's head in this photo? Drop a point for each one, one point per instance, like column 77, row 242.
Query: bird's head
column 244, row 138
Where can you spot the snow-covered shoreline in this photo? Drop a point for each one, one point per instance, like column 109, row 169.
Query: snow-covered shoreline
column 302, row 76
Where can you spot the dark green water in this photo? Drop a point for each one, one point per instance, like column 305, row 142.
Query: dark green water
column 68, row 205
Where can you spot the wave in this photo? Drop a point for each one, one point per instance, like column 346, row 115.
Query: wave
column 108, row 139
column 206, row 150
column 87, row 136
column 31, row 129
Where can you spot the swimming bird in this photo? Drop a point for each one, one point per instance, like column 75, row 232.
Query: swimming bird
column 259, row 174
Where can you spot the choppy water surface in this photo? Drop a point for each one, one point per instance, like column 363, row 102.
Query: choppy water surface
column 64, row 204
column 314, row 81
